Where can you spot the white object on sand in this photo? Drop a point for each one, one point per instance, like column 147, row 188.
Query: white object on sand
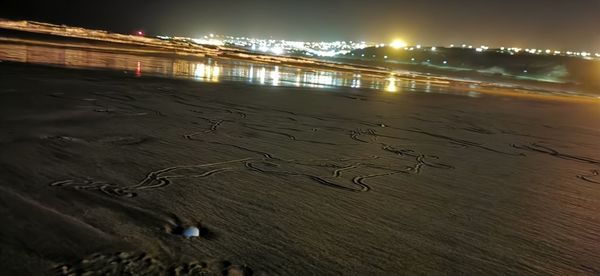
column 191, row 231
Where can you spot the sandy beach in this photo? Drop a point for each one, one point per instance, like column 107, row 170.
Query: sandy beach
column 100, row 171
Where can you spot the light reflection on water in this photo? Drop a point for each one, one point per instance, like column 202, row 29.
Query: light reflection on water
column 391, row 85
column 206, row 69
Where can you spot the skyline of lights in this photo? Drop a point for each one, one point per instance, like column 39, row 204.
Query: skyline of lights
column 334, row 48
column 280, row 47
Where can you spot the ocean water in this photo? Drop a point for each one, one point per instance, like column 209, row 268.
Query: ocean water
column 226, row 70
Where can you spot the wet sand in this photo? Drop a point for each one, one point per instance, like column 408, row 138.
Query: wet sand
column 101, row 170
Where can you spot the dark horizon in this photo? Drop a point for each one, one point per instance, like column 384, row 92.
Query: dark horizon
column 563, row 25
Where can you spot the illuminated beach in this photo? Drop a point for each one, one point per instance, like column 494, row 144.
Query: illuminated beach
column 145, row 159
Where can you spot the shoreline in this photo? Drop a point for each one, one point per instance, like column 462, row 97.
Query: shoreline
column 186, row 50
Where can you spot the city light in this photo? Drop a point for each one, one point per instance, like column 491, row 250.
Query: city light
column 398, row 43
column 277, row 50
column 336, row 48
column 208, row 41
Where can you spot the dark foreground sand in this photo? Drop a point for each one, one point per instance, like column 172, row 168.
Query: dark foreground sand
column 99, row 171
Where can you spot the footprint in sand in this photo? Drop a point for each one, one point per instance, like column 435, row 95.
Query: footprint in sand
column 127, row 263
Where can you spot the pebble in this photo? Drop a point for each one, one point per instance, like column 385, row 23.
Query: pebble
column 191, row 231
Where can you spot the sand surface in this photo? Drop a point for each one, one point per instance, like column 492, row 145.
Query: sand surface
column 100, row 171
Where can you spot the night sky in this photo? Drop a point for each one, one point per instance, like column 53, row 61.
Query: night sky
column 573, row 24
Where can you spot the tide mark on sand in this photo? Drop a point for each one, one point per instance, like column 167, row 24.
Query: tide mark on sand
column 153, row 180
column 360, row 180
column 213, row 127
column 461, row 142
column 552, row 152
column 90, row 184
column 422, row 159
column 356, row 134
column 270, row 168
column 592, row 177
column 338, row 172
column 160, row 178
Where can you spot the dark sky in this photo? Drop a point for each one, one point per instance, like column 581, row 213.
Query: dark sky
column 573, row 24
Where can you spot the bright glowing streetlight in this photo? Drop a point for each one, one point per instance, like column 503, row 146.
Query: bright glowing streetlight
column 398, row 43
